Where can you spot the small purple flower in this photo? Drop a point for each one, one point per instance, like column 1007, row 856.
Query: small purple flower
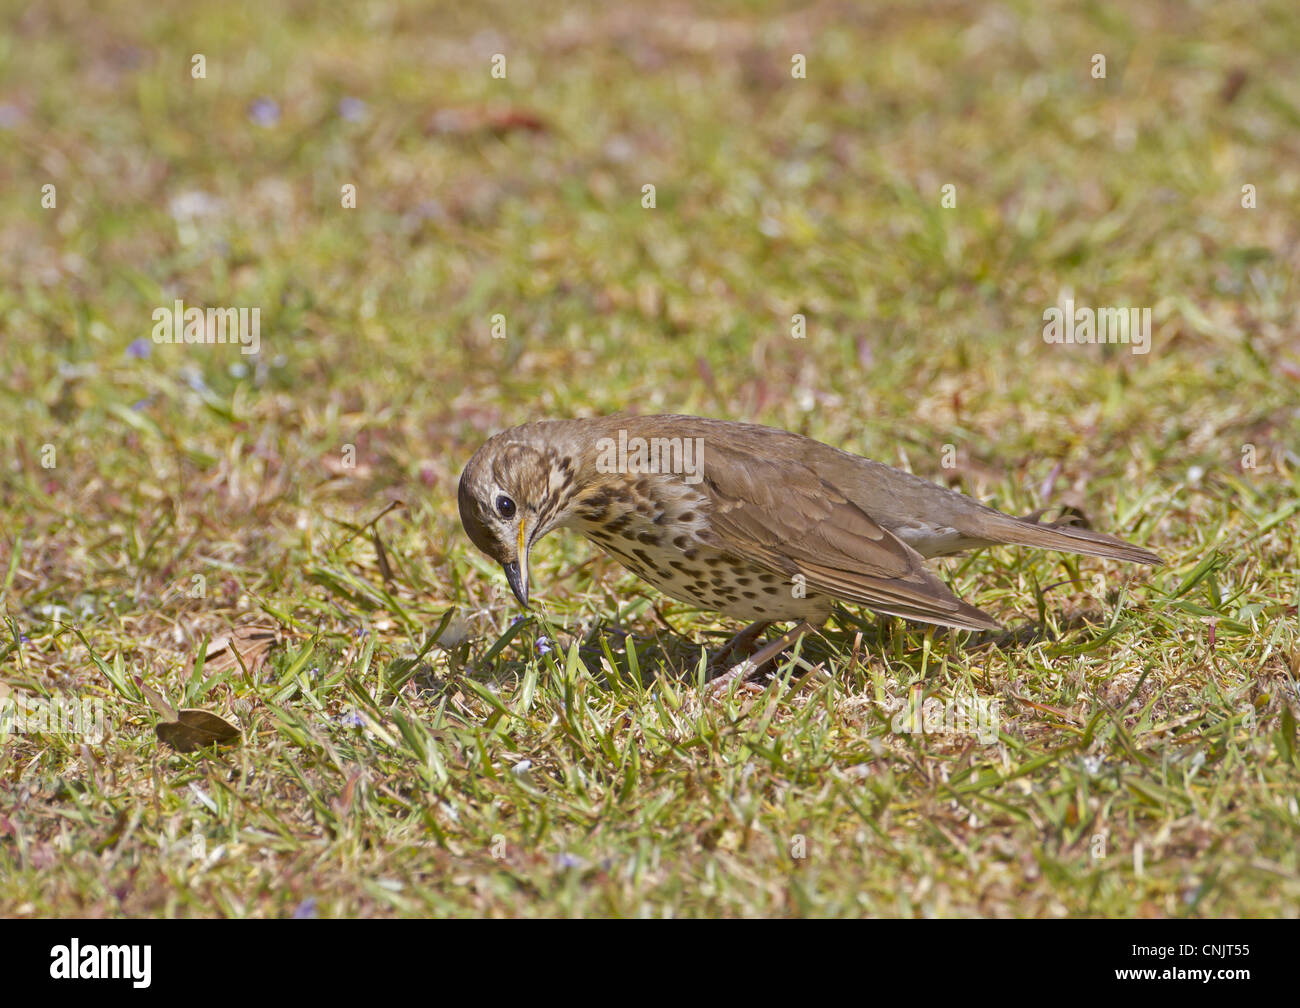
column 543, row 645
column 352, row 109
column 306, row 910
column 141, row 404
column 351, row 719
column 264, row 112
column 140, row 349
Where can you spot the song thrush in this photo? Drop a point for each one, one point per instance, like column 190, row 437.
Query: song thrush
column 750, row 521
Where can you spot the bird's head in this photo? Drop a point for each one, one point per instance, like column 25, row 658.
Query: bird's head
column 510, row 494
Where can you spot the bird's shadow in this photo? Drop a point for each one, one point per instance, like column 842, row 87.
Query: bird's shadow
column 610, row 650
column 687, row 662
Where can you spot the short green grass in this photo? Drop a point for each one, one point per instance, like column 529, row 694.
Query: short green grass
column 406, row 748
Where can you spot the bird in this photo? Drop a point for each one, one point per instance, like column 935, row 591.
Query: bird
column 752, row 522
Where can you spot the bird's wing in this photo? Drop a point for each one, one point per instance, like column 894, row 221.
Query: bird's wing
column 786, row 518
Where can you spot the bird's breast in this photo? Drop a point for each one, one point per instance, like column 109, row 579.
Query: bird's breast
column 659, row 532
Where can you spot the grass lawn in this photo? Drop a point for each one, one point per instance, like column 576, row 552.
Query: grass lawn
column 407, row 745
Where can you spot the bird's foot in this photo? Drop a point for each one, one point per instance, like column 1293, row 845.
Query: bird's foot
column 741, row 644
column 741, row 672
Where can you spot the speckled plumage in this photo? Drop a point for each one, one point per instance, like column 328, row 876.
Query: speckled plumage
column 768, row 525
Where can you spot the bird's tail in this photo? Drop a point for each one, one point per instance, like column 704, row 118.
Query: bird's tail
column 1067, row 539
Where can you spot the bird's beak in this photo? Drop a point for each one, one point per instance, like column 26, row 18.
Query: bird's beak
column 517, row 572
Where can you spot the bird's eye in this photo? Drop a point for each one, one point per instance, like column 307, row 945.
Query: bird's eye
column 505, row 506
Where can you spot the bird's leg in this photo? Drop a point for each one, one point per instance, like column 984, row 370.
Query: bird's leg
column 741, row 643
column 742, row 671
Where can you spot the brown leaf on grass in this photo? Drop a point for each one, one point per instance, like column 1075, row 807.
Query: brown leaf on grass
column 189, row 728
column 247, row 644
column 196, row 729
column 485, row 119
column 1232, row 85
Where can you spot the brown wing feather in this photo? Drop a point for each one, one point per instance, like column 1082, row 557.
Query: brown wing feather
column 786, row 518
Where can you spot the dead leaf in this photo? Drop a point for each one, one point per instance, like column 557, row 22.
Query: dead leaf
column 252, row 643
column 1232, row 85
column 196, row 729
column 494, row 119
